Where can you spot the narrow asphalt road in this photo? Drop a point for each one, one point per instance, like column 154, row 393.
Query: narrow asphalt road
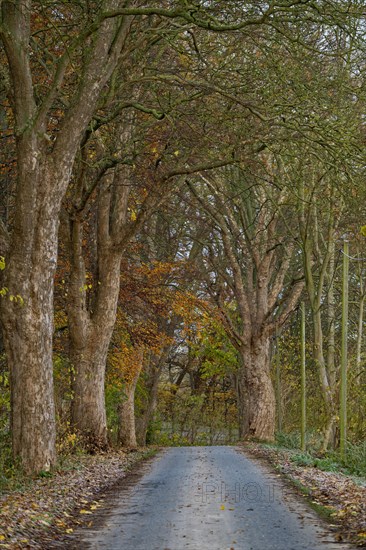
column 208, row 498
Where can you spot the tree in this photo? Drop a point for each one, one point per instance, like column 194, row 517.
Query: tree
column 253, row 279
column 139, row 338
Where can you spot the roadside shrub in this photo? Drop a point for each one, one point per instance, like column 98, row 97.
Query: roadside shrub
column 170, row 439
column 354, row 463
column 303, row 459
column 11, row 475
column 288, row 440
column 356, row 458
column 329, row 463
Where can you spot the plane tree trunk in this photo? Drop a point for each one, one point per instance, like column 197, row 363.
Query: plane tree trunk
column 90, row 335
column 257, row 407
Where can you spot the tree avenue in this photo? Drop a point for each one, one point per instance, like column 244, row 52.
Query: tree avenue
column 49, row 128
column 216, row 152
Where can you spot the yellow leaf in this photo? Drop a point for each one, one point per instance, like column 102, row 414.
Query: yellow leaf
column 176, row 153
column 69, row 530
column 85, row 512
column 184, row 60
column 60, row 523
column 222, row 507
column 2, row 537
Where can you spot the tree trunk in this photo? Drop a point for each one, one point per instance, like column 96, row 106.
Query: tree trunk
column 142, row 423
column 27, row 318
column 330, row 430
column 257, row 413
column 88, row 406
column 242, row 401
column 90, row 336
column 127, row 428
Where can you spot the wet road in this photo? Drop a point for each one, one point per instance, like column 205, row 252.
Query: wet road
column 208, row 498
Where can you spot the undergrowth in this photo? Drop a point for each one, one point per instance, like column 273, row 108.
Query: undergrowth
column 331, row 461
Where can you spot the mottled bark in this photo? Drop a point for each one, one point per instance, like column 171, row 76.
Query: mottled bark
column 330, row 428
column 88, row 407
column 257, row 404
column 27, row 318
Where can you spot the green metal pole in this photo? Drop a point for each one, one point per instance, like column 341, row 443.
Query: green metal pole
column 303, row 380
column 343, row 388
column 278, row 383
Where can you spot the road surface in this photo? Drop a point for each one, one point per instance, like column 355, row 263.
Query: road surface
column 208, row 498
